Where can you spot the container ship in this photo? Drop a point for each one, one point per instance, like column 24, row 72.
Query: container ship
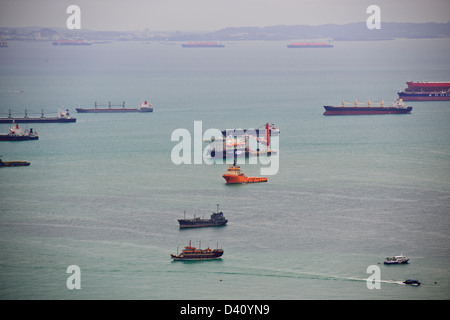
column 143, row 107
column 190, row 253
column 397, row 107
column 217, row 219
column 62, row 117
column 426, row 91
column 310, row 45
column 202, row 45
column 17, row 134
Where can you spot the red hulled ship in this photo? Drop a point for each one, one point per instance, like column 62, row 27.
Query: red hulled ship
column 426, row 91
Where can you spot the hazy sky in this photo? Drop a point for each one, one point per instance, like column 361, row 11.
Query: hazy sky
column 210, row 15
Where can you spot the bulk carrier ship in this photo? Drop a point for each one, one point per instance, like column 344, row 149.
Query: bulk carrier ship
column 397, row 107
column 62, row 117
column 143, row 107
column 426, row 91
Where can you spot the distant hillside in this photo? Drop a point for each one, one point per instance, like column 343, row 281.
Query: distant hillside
column 351, row 31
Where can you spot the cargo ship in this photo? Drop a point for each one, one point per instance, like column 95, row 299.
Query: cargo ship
column 62, row 117
column 13, row 163
column 310, row 45
column 426, row 91
column 397, row 107
column 190, row 253
column 71, row 43
column 202, row 45
column 143, row 107
column 16, row 134
column 217, row 219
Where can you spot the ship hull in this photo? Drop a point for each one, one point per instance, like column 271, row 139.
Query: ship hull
column 17, row 138
column 295, row 46
column 239, row 179
column 37, row 120
column 212, row 255
column 424, row 96
column 14, row 163
column 339, row 111
column 184, row 224
column 119, row 110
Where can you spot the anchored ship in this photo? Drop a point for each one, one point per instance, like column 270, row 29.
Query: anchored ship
column 17, row 134
column 202, row 45
column 13, row 163
column 397, row 107
column 190, row 253
column 62, row 117
column 71, row 43
column 143, row 107
column 233, row 175
column 217, row 219
column 310, row 45
column 235, row 143
column 426, row 91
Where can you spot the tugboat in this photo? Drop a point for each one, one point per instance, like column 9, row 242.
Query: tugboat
column 396, row 260
column 234, row 175
column 16, row 134
column 190, row 253
column 412, row 282
column 217, row 219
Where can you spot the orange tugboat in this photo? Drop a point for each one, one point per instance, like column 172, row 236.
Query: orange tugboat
column 234, row 175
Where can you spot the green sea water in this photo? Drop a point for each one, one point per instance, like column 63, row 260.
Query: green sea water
column 104, row 194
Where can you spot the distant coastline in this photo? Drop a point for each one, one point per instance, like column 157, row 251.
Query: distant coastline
column 347, row 32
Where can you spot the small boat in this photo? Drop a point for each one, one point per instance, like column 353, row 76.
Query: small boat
column 217, row 219
column 190, row 253
column 412, row 282
column 396, row 260
column 16, row 134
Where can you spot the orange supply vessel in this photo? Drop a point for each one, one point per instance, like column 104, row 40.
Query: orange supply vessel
column 234, row 175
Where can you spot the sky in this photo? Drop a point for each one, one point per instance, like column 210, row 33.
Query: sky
column 211, row 15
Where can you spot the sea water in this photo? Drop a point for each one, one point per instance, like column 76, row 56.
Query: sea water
column 104, row 194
